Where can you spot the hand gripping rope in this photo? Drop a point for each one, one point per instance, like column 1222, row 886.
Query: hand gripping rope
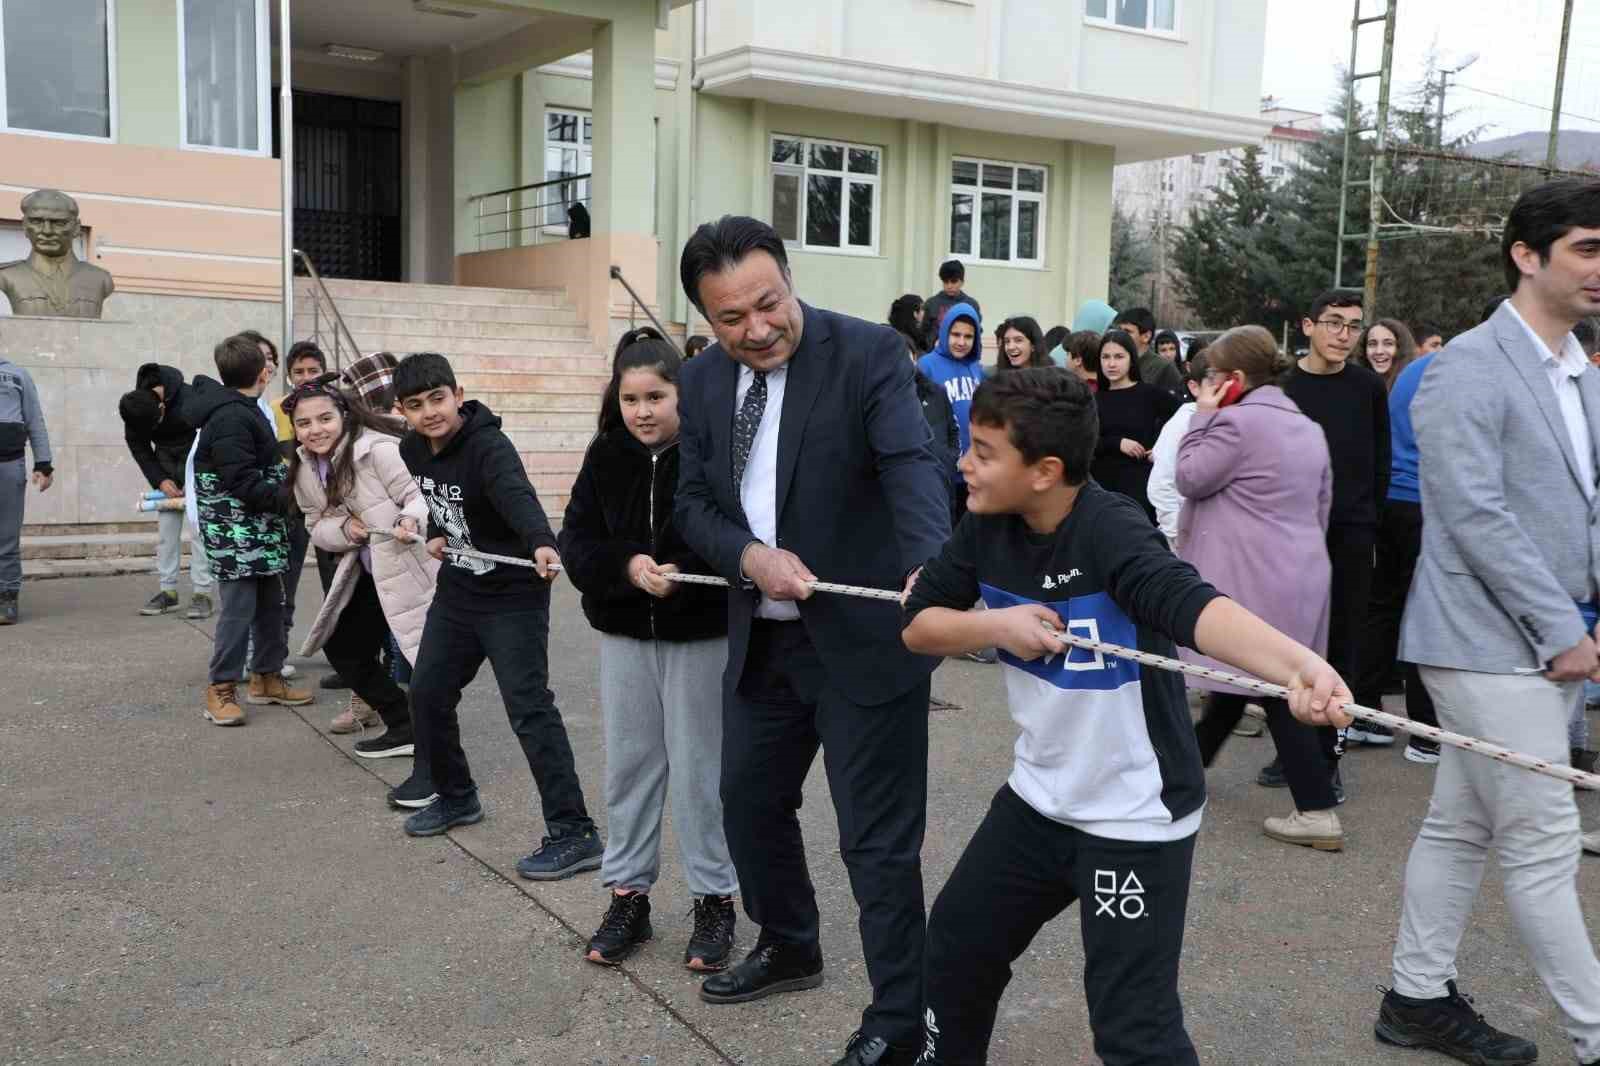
column 1161, row 662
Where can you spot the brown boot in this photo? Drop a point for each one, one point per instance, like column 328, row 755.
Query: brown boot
column 222, row 704
column 273, row 688
column 359, row 715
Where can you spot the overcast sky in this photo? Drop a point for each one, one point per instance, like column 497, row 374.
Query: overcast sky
column 1516, row 41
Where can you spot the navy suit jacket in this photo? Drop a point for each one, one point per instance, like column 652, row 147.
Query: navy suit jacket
column 862, row 497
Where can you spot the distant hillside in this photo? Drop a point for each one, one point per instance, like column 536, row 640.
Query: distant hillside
column 1579, row 149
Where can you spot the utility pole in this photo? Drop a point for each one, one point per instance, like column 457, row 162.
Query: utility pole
column 1444, row 84
column 1552, row 151
column 1380, row 166
column 1374, row 180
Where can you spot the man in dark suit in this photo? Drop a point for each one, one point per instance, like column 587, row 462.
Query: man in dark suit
column 803, row 446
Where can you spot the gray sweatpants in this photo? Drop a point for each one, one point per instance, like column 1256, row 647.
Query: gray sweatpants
column 13, row 492
column 662, row 707
column 1530, row 821
column 169, row 554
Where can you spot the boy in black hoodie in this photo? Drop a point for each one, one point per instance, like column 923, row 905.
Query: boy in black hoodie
column 479, row 498
column 158, row 437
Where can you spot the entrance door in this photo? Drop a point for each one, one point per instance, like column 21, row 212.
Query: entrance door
column 347, row 188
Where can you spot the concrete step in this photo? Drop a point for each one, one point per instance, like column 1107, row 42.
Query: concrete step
column 557, row 313
column 541, row 439
column 460, row 346
column 459, row 294
column 523, row 403
column 478, row 382
column 447, row 330
column 547, row 421
column 90, row 546
column 45, row 569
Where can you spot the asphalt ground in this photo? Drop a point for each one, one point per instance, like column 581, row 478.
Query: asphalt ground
column 171, row 892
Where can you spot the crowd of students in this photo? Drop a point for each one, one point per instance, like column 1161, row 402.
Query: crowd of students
column 1275, row 526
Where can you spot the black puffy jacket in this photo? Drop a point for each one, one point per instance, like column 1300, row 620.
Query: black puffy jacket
column 237, row 473
column 621, row 506
column 163, row 451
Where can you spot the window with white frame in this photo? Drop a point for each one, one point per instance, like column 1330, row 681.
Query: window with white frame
column 568, row 152
column 55, row 66
column 825, row 194
column 223, row 47
column 997, row 212
column 1160, row 16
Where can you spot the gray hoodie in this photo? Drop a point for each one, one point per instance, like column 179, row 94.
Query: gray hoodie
column 21, row 418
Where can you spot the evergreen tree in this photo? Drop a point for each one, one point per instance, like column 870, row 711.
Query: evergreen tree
column 1132, row 260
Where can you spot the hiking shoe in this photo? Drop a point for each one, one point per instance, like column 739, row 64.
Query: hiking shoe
column 1449, row 1025
column 357, row 715
column 563, row 856
column 162, row 602
column 624, row 929
column 200, row 607
column 1309, row 829
column 222, row 704
column 390, row 745
column 711, row 943
column 1374, row 736
column 1271, row 775
column 333, row 682
column 8, row 608
column 444, row 814
column 414, row 792
column 1422, row 751
column 275, row 688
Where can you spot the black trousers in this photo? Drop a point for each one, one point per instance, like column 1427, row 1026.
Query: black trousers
column 1018, row 872
column 1307, row 752
column 299, row 542
column 1399, row 545
column 774, row 720
column 1350, row 550
column 455, row 641
column 353, row 649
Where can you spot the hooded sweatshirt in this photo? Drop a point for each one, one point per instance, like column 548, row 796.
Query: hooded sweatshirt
column 479, row 497
column 162, row 450
column 959, row 378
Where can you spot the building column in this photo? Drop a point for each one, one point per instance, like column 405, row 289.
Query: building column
column 621, row 211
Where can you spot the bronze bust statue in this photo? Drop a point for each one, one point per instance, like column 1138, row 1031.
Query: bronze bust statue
column 53, row 280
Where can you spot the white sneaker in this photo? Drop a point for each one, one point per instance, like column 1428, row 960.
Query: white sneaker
column 1425, row 756
column 1591, row 842
column 288, row 671
column 1310, row 829
column 1369, row 735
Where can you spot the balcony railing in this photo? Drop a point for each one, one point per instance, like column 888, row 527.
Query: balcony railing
column 533, row 214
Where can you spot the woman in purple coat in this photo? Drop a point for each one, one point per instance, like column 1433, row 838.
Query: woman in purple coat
column 1257, row 483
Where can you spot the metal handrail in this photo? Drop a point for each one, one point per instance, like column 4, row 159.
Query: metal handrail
column 616, row 275
column 319, row 294
column 507, row 210
column 527, row 188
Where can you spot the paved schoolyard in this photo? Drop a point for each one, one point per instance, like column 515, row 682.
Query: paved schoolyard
column 171, row 892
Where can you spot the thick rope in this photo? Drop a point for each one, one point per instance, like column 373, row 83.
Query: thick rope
column 1116, row 651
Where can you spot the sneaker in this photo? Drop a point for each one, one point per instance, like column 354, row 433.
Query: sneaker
column 864, row 1050
column 288, row 670
column 1338, row 788
column 444, row 814
column 624, row 929
column 357, row 716
column 415, row 792
column 1449, row 1025
column 390, row 745
column 1374, row 736
column 711, row 943
column 1310, row 829
column 563, row 856
column 8, row 607
column 1271, row 775
column 275, row 688
column 200, row 607
column 1249, row 727
column 333, row 682
column 222, row 704
column 1591, row 842
column 162, row 602
column 1421, row 751
column 1584, row 759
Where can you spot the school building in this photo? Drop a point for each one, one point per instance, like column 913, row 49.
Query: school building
column 498, row 179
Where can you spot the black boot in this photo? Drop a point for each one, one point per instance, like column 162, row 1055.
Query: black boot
column 8, row 608
column 769, row 969
column 711, row 943
column 624, row 929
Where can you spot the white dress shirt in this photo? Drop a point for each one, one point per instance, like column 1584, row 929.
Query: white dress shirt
column 758, row 492
column 1162, row 489
column 1564, row 370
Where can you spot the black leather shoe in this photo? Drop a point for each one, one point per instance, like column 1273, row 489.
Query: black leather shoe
column 874, row 1051
column 1271, row 775
column 769, row 969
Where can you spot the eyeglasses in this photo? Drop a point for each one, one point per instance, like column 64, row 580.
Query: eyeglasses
column 1340, row 326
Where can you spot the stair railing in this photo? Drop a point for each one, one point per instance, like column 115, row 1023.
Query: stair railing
column 616, row 275
column 320, row 297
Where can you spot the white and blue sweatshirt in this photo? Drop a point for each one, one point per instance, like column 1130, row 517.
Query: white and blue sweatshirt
column 959, row 378
column 1107, row 746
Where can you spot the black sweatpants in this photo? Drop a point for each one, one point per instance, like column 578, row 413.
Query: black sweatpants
column 774, row 720
column 353, row 649
column 1307, row 752
column 1350, row 550
column 1018, row 872
column 1399, row 544
column 456, row 639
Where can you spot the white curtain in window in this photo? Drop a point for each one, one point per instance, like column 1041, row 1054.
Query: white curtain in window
column 1163, row 15
column 56, row 66
column 220, row 73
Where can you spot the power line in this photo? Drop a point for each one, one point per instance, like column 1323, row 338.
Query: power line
column 1524, row 103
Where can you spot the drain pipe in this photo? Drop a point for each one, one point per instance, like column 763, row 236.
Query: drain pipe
column 286, row 159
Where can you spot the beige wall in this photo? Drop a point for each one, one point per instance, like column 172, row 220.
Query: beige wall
column 81, row 367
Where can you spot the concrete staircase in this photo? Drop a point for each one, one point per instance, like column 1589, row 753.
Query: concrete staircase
column 524, row 352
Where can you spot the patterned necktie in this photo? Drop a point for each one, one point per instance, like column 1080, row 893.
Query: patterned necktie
column 745, row 425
